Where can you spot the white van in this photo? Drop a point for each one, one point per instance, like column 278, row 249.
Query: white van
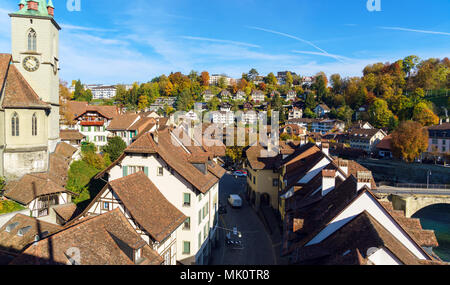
column 235, row 201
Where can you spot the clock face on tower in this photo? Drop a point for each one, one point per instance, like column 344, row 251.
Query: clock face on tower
column 30, row 63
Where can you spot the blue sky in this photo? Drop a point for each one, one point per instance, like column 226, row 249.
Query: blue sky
column 127, row 41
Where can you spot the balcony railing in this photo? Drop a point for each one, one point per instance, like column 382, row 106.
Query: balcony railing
column 92, row 123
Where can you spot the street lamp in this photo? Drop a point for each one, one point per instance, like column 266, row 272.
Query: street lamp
column 428, row 178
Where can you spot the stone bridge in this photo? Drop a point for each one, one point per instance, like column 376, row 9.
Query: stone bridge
column 411, row 198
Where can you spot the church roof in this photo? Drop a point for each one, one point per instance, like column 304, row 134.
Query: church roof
column 41, row 11
column 17, row 92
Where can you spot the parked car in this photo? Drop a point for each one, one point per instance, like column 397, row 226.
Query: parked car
column 235, row 201
column 240, row 173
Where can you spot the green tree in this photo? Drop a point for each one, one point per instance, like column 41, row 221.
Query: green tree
column 78, row 90
column 410, row 63
column 289, row 80
column 115, row 147
column 379, row 114
column 320, row 87
column 222, row 83
column 310, row 101
column 185, row 101
column 252, row 74
column 213, row 104
column 424, row 115
column 345, row 114
column 271, row 79
column 88, row 147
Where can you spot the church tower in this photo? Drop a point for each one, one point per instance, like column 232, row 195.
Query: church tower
column 29, row 91
column 35, row 38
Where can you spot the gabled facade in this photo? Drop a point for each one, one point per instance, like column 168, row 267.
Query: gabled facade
column 240, row 96
column 107, row 239
column 93, row 123
column 188, row 179
column 153, row 217
column 258, row 96
column 321, row 110
column 366, row 139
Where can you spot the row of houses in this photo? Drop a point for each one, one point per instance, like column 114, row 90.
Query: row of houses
column 328, row 210
column 158, row 206
column 319, row 125
column 257, row 96
column 98, row 123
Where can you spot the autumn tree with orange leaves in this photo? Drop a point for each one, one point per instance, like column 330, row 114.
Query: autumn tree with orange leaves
column 205, row 78
column 409, row 141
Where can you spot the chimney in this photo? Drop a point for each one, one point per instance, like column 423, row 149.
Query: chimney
column 21, row 4
column 328, row 181
column 343, row 165
column 298, row 225
column 326, row 148
column 363, row 179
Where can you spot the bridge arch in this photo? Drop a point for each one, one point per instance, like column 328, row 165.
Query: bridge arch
column 413, row 204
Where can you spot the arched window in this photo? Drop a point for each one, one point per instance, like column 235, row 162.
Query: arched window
column 15, row 125
column 34, row 125
column 32, row 40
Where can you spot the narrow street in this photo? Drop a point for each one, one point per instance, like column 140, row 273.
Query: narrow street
column 256, row 245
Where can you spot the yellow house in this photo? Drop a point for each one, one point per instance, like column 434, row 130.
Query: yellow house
column 263, row 174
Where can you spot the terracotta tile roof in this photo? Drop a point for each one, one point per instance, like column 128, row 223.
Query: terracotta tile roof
column 71, row 135
column 142, row 124
column 175, row 156
column 17, row 92
column 107, row 239
column 385, row 143
column 66, row 212
column 13, row 243
column 107, row 111
column 122, row 122
column 76, row 108
column 354, row 168
column 441, row 127
column 362, row 233
column 31, row 186
column 148, row 207
column 257, row 161
column 58, row 170
column 5, row 60
column 65, row 150
column 363, row 134
column 425, row 238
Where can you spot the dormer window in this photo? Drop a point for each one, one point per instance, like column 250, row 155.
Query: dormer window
column 23, row 231
column 11, row 227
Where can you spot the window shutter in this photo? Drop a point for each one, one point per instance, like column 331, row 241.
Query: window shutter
column 146, row 170
column 125, row 171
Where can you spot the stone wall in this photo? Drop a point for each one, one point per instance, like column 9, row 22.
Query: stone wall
column 17, row 164
column 400, row 172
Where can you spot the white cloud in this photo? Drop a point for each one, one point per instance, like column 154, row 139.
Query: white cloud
column 81, row 28
column 415, row 31
column 295, row 38
column 320, row 54
column 219, row 41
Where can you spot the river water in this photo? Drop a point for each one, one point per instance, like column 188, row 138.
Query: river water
column 437, row 218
